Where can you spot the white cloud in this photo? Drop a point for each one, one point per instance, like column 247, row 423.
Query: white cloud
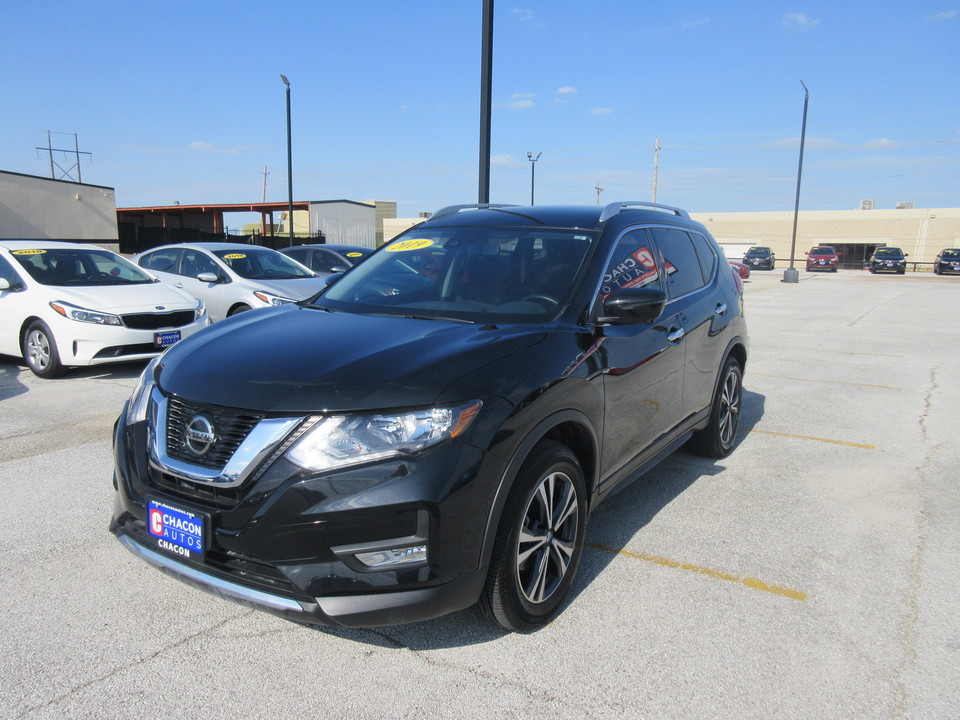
column 567, row 90
column 694, row 22
column 503, row 160
column 520, row 101
column 939, row 17
column 881, row 143
column 799, row 21
column 601, row 111
column 522, row 14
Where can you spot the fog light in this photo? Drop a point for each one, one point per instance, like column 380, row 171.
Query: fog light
column 394, row 556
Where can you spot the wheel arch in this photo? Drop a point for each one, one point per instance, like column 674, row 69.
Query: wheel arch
column 569, row 427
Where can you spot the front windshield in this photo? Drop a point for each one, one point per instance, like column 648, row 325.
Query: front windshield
column 758, row 252
column 79, row 267
column 822, row 251
column 951, row 254
column 262, row 264
column 889, row 252
column 473, row 274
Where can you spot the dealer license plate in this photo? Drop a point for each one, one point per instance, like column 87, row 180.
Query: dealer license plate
column 165, row 339
column 176, row 530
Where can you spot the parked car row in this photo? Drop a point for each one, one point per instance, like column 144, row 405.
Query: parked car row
column 67, row 304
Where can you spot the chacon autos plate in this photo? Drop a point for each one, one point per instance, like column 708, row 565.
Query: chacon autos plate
column 165, row 339
column 176, row 530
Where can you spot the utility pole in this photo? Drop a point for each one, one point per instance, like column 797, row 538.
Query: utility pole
column 265, row 173
column 56, row 166
column 656, row 168
column 486, row 100
column 599, row 190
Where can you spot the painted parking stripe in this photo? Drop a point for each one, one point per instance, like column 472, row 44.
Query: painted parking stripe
column 749, row 582
column 821, row 380
column 846, row 443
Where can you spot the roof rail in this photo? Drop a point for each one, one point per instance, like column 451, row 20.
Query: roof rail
column 616, row 208
column 454, row 209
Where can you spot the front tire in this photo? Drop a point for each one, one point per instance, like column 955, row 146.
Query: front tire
column 718, row 438
column 236, row 310
column 539, row 541
column 40, row 351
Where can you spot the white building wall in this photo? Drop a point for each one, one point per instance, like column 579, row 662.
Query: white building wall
column 345, row 222
column 36, row 208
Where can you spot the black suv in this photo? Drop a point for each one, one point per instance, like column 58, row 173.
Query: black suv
column 947, row 262
column 434, row 429
column 760, row 258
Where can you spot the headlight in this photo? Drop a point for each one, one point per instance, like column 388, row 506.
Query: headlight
column 138, row 402
column 83, row 315
column 271, row 299
column 200, row 311
column 340, row 440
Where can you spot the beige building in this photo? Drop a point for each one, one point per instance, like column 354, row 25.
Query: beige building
column 919, row 232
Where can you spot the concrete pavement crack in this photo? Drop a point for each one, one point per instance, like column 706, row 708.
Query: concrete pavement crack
column 139, row 661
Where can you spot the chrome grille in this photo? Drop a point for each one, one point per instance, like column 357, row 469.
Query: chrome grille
column 231, row 428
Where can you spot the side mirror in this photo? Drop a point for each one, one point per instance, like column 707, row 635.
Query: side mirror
column 906, row 254
column 5, row 285
column 331, row 279
column 633, row 306
column 208, row 277
column 338, row 269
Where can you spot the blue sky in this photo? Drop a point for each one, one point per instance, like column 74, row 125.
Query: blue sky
column 182, row 101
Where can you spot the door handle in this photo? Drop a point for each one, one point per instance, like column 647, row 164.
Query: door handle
column 675, row 336
column 721, row 309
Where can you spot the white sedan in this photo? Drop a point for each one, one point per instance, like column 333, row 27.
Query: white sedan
column 230, row 277
column 66, row 304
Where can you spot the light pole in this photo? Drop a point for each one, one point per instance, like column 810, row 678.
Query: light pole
column 533, row 164
column 289, row 163
column 791, row 274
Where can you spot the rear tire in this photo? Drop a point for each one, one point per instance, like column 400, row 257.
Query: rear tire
column 718, row 438
column 539, row 541
column 40, row 351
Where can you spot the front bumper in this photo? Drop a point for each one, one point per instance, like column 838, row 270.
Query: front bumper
column 286, row 541
column 81, row 344
column 392, row 608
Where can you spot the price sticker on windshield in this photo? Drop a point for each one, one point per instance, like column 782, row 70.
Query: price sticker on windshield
column 408, row 245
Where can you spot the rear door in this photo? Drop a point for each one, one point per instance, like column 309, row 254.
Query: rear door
column 697, row 303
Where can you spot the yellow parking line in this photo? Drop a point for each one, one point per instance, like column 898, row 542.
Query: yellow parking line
column 820, row 380
column 862, row 446
column 718, row 574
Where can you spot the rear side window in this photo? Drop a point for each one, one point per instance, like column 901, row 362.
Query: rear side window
column 8, row 273
column 706, row 255
column 680, row 261
column 161, row 260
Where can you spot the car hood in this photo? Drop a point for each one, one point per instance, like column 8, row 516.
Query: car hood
column 300, row 360
column 121, row 299
column 294, row 288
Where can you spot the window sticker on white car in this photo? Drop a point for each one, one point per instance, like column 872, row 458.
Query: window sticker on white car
column 27, row 252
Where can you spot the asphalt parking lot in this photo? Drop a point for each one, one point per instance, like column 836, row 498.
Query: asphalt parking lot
column 815, row 573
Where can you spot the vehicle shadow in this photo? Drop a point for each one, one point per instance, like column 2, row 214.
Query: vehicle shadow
column 612, row 527
column 10, row 383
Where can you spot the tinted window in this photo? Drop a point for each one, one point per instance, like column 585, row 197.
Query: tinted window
column 68, row 266
column 706, row 255
column 196, row 262
column 631, row 265
column 262, row 264
column 300, row 255
column 474, row 274
column 164, row 260
column 324, row 261
column 680, row 261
